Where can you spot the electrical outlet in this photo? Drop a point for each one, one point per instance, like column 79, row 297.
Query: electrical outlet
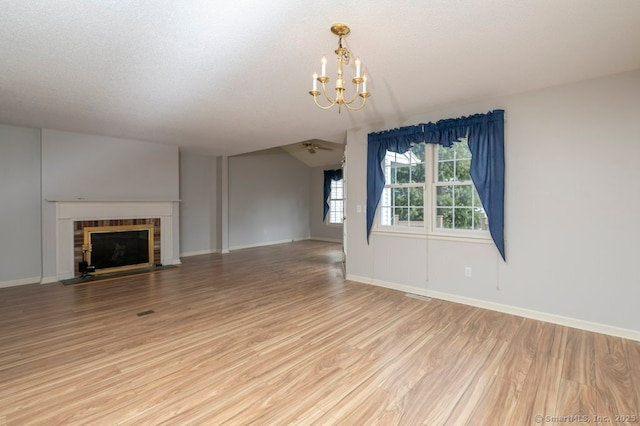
column 467, row 271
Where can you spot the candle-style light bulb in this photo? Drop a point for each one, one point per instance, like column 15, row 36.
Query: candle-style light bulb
column 315, row 81
column 357, row 67
column 364, row 84
column 324, row 66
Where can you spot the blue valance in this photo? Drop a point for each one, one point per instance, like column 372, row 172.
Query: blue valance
column 329, row 175
column 485, row 135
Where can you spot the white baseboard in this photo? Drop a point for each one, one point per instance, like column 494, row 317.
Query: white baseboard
column 22, row 281
column 625, row 333
column 198, row 253
column 329, row 240
column 269, row 243
column 49, row 280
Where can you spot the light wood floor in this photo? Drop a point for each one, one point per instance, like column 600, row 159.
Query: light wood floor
column 275, row 336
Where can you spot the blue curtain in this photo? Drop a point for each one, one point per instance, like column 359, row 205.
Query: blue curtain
column 329, row 175
column 485, row 134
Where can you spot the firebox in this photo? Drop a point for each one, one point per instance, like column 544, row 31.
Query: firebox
column 119, row 248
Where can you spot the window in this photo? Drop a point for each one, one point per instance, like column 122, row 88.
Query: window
column 443, row 195
column 456, row 199
column 402, row 201
column 336, row 202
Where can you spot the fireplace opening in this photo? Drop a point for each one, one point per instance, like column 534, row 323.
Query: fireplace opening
column 119, row 248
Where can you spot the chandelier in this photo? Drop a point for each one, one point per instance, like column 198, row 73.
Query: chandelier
column 360, row 81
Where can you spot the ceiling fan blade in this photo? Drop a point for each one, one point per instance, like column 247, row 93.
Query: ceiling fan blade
column 324, row 148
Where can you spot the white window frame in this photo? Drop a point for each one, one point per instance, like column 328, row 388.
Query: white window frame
column 430, row 227
column 332, row 213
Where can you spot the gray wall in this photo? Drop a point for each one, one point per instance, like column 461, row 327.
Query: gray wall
column 198, row 209
column 571, row 213
column 97, row 167
column 268, row 199
column 20, row 249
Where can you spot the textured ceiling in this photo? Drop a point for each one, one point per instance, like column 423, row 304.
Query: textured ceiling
column 225, row 77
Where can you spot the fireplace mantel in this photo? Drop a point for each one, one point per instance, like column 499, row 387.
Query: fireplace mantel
column 79, row 209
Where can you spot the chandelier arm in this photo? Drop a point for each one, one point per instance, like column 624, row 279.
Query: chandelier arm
column 350, row 108
column 331, row 104
column 324, row 92
column 355, row 96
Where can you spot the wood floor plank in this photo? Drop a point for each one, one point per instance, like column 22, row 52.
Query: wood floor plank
column 274, row 335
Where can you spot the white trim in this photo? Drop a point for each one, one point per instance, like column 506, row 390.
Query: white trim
column 22, row 281
column 198, row 253
column 481, row 239
column 49, row 280
column 624, row 333
column 268, row 243
column 386, row 284
column 329, row 240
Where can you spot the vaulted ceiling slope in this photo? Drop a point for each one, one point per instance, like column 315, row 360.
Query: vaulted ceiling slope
column 229, row 77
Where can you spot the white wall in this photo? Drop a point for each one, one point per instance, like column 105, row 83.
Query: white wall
column 198, row 209
column 20, row 250
column 571, row 213
column 268, row 199
column 319, row 229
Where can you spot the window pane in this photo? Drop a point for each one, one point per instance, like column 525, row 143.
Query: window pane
column 445, row 171
column 481, row 220
column 417, row 216
column 444, row 196
column 337, row 189
column 404, row 204
column 444, row 153
column 463, row 218
column 444, row 218
column 336, row 202
column 400, row 216
column 416, row 197
column 418, row 151
column 400, row 173
column 462, row 196
column 336, row 209
column 462, row 150
column 476, row 198
column 462, row 170
column 400, row 197
column 417, row 173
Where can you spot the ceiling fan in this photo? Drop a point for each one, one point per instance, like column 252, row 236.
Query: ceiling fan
column 312, row 148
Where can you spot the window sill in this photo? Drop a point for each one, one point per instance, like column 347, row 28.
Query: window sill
column 471, row 237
